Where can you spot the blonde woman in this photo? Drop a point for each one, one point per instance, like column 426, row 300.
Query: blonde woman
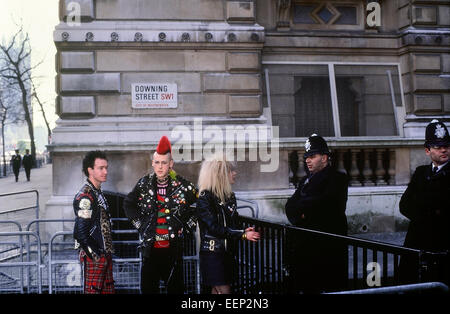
column 217, row 218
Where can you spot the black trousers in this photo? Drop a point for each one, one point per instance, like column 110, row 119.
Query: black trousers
column 316, row 264
column 162, row 264
column 16, row 172
column 27, row 172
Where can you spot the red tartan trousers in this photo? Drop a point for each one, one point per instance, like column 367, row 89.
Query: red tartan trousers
column 98, row 276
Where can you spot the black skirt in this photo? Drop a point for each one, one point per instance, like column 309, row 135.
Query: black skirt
column 217, row 269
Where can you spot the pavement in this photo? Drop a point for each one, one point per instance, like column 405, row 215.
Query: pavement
column 40, row 180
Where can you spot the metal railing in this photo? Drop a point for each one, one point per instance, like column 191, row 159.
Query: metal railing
column 8, row 167
column 438, row 287
column 191, row 263
column 16, row 212
column 21, row 264
column 127, row 258
column 12, row 222
column 74, row 283
column 262, row 265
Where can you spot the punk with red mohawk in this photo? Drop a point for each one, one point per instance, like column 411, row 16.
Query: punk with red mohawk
column 164, row 146
column 159, row 207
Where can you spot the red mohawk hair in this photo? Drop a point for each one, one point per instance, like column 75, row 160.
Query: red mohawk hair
column 164, row 146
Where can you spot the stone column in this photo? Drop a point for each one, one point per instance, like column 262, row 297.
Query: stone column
column 427, row 63
column 214, row 65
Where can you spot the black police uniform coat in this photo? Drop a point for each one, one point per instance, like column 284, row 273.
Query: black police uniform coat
column 27, row 161
column 16, row 161
column 318, row 263
column 426, row 203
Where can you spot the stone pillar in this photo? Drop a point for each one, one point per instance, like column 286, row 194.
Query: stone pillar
column 211, row 50
column 426, row 65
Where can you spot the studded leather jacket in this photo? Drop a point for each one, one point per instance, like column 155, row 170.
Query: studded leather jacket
column 141, row 207
column 217, row 222
column 92, row 229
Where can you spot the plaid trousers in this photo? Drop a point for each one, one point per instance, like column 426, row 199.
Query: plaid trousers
column 98, row 276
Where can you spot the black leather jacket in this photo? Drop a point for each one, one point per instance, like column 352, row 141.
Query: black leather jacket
column 217, row 220
column 87, row 230
column 141, row 208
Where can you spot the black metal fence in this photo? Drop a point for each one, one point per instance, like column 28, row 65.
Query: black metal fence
column 263, row 266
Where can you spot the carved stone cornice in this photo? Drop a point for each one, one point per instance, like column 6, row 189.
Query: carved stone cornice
column 117, row 32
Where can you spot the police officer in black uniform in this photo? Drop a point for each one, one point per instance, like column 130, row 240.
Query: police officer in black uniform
column 317, row 263
column 27, row 163
column 16, row 162
column 426, row 203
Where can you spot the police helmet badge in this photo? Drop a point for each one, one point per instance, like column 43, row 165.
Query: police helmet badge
column 315, row 144
column 440, row 131
column 307, row 145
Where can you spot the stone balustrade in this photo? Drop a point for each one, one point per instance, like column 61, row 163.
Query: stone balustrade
column 368, row 162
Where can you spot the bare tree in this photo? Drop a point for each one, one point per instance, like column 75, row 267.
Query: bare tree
column 10, row 113
column 3, row 119
column 16, row 69
column 41, row 106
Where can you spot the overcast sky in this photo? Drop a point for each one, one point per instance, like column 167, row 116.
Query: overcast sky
column 39, row 18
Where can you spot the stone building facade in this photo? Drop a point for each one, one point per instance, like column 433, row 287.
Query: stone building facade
column 367, row 75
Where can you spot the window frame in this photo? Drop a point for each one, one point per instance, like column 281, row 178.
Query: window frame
column 399, row 112
column 360, row 16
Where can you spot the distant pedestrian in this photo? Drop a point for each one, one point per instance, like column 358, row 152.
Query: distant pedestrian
column 92, row 230
column 426, row 204
column 16, row 161
column 27, row 163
